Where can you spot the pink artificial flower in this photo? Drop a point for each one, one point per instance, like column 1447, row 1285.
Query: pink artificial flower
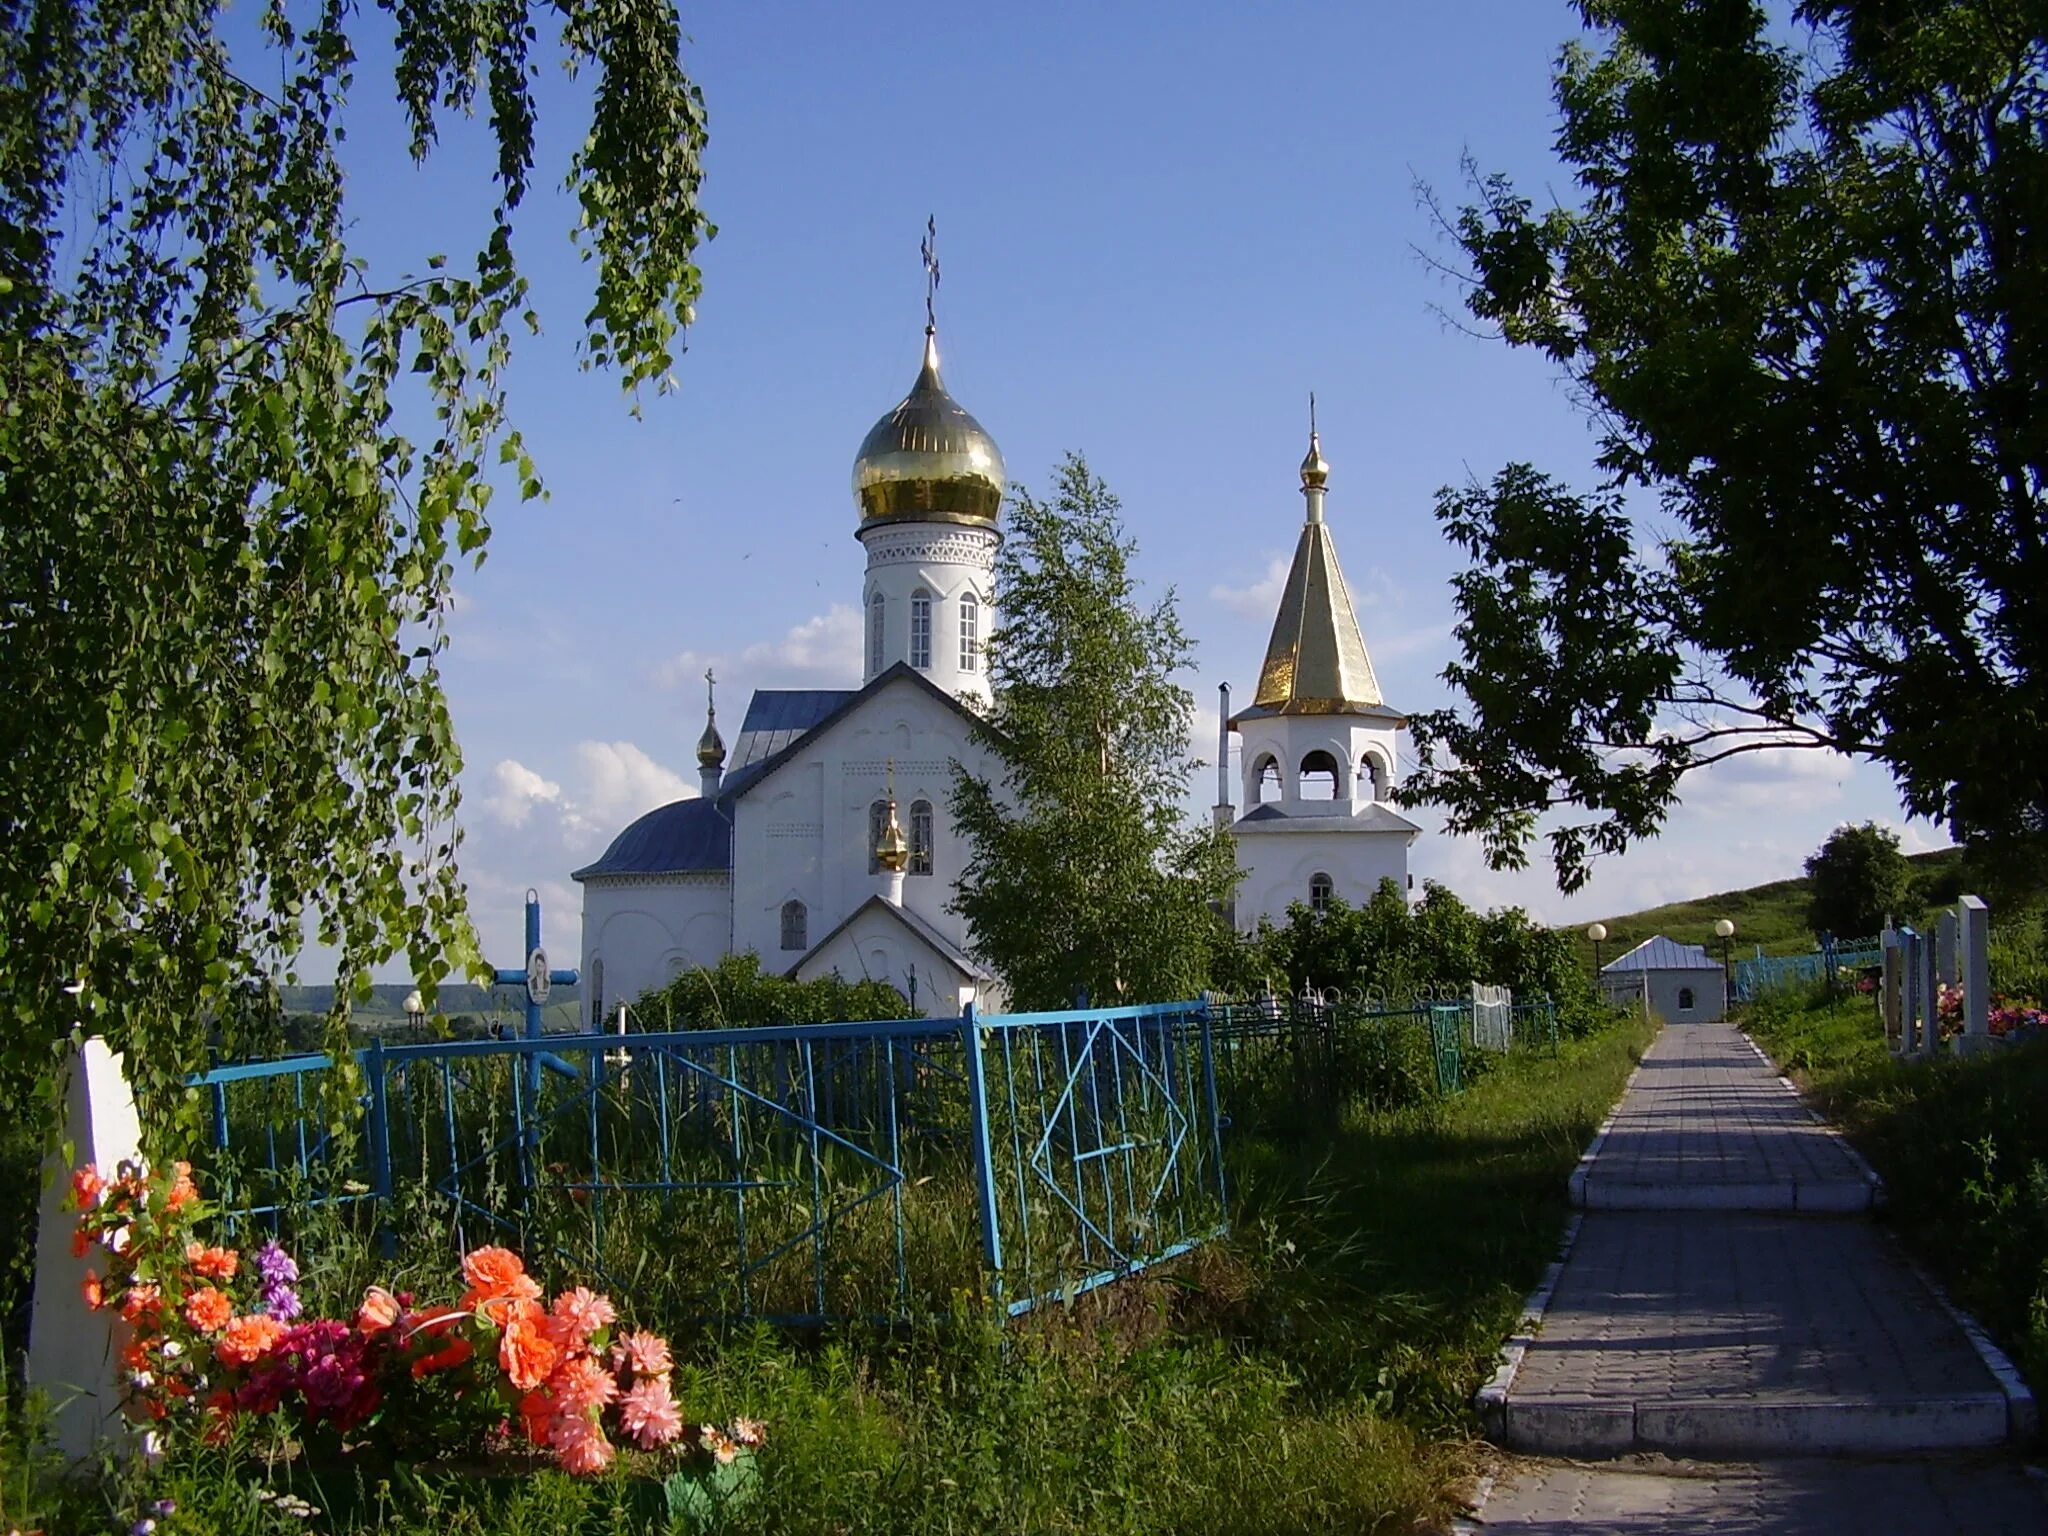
column 580, row 1446
column 751, row 1433
column 579, row 1385
column 644, row 1355
column 649, row 1414
column 578, row 1314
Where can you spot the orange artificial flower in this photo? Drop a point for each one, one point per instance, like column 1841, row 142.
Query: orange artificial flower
column 537, row 1414
column 87, row 1186
column 141, row 1301
column 208, row 1310
column 249, row 1338
column 89, row 1288
column 493, row 1275
column 220, row 1411
column 379, row 1310
column 183, row 1190
column 81, row 1244
column 136, row 1352
column 453, row 1353
column 214, row 1263
column 526, row 1352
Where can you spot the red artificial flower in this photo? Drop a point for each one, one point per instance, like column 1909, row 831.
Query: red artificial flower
column 214, row 1263
column 87, row 1186
column 449, row 1355
column 90, row 1289
column 495, row 1274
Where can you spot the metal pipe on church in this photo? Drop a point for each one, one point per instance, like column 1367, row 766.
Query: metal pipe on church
column 1223, row 749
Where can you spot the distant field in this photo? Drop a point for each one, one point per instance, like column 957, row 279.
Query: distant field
column 386, row 1006
column 1772, row 915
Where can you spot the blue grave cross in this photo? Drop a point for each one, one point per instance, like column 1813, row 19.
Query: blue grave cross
column 534, row 975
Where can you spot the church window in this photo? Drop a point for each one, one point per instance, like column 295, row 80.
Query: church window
column 921, row 837
column 970, row 632
column 1266, row 776
column 1321, row 779
column 796, row 926
column 876, row 607
column 921, row 630
column 1320, row 889
column 878, row 823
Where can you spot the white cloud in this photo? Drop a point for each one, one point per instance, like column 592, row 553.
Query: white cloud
column 620, row 782
column 1258, row 600
column 1778, row 779
column 824, row 651
column 515, row 790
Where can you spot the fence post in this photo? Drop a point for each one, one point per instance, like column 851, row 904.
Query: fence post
column 1215, row 1115
column 1973, row 935
column 73, row 1351
column 380, row 1146
column 984, row 1154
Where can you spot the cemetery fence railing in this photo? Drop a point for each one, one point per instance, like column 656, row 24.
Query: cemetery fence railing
column 795, row 1173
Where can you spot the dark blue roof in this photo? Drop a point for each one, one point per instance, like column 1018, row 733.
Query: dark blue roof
column 684, row 835
column 778, row 716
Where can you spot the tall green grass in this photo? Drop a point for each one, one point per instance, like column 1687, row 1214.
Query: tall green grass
column 1311, row 1372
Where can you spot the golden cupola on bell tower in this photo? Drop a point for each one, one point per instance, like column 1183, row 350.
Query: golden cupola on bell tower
column 929, row 483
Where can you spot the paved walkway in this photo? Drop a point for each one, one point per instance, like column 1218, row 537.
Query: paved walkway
column 1725, row 1299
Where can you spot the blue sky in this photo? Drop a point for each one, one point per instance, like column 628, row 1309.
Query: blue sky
column 1160, row 227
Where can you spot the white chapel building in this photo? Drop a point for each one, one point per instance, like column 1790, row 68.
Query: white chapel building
column 823, row 841
column 1320, row 746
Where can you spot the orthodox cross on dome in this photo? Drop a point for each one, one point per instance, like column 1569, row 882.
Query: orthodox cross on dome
column 928, row 248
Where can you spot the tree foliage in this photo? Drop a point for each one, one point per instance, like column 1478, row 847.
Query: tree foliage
column 736, row 993
column 1804, row 297
column 225, row 560
column 1083, row 875
column 1408, row 951
column 1859, row 880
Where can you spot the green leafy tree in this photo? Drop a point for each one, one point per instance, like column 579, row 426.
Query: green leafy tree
column 1083, row 875
column 224, row 561
column 736, row 993
column 1859, row 879
column 1803, row 294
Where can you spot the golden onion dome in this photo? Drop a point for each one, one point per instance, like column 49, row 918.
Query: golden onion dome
column 928, row 461
column 1315, row 470
column 892, row 848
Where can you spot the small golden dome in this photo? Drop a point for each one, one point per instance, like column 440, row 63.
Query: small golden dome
column 711, row 745
column 892, row 848
column 928, row 461
column 1315, row 470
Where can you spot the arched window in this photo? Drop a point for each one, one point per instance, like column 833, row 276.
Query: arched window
column 921, row 630
column 878, row 822
column 877, row 608
column 1372, row 769
column 1320, row 889
column 1685, row 999
column 597, row 992
column 921, row 837
column 795, row 926
column 1266, row 775
column 970, row 632
column 1321, row 778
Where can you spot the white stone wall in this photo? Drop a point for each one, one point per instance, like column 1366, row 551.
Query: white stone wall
column 1280, row 858
column 1708, row 985
column 640, row 930
column 803, row 832
column 876, row 946
column 1366, row 750
column 946, row 561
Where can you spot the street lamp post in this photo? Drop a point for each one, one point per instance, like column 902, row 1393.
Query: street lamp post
column 415, row 1013
column 1597, row 932
column 1724, row 930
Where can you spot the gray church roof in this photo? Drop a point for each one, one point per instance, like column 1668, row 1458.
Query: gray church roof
column 683, row 836
column 1662, row 954
column 778, row 716
column 1372, row 815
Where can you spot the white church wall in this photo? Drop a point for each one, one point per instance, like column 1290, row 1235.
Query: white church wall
column 637, row 934
column 829, row 786
column 877, row 947
column 1289, row 739
column 1278, row 866
column 946, row 562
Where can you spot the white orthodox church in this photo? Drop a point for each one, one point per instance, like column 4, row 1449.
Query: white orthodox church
column 823, row 841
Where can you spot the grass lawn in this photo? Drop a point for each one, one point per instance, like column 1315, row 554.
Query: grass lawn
column 1962, row 1145
column 1310, row 1373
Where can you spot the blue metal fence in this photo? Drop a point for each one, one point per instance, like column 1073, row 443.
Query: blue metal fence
column 798, row 1173
column 1755, row 977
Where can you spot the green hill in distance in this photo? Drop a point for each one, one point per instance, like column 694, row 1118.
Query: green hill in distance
column 1772, row 915
column 385, row 1008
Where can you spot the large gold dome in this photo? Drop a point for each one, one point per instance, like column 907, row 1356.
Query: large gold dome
column 928, row 461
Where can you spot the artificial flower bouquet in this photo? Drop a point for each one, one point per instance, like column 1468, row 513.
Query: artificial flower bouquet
column 209, row 1334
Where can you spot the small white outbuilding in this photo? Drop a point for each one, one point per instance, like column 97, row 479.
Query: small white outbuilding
column 1686, row 984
